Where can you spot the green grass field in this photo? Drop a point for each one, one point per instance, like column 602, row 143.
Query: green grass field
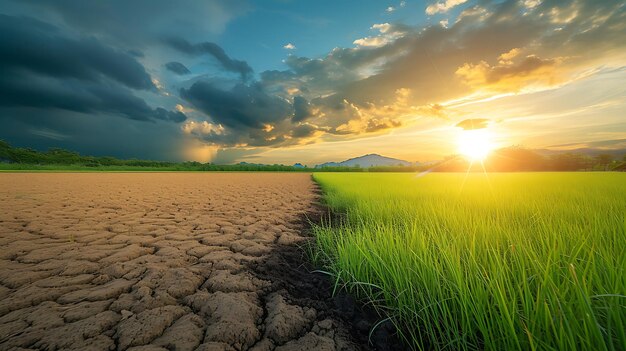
column 520, row 261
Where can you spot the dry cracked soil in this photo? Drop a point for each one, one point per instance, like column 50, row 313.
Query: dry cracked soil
column 168, row 261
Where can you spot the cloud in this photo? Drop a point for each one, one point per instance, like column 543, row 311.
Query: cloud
column 388, row 33
column 432, row 110
column 405, row 73
column 506, row 57
column 382, row 27
column 391, row 9
column 35, row 46
column 248, row 114
column 241, row 106
column 202, row 128
column 91, row 134
column 389, row 79
column 474, row 123
column 140, row 22
column 289, row 46
column 213, row 50
column 370, row 41
column 31, row 91
column 427, row 60
column 304, row 130
column 441, row 7
column 74, row 74
column 165, row 115
column 301, row 109
column 67, row 76
column 344, row 66
column 177, row 68
column 375, row 125
column 508, row 76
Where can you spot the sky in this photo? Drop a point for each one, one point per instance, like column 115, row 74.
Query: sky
column 286, row 81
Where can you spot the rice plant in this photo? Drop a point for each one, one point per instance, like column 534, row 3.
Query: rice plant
column 522, row 261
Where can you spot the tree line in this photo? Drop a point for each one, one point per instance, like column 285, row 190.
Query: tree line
column 26, row 158
column 510, row 159
column 519, row 159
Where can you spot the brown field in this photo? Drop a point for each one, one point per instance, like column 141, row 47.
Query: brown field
column 156, row 261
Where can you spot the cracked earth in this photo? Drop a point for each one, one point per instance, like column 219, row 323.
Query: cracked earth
column 161, row 261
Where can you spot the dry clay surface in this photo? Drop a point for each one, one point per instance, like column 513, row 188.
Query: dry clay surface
column 153, row 261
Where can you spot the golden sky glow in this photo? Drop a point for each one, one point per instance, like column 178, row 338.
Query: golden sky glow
column 286, row 82
column 539, row 95
column 582, row 112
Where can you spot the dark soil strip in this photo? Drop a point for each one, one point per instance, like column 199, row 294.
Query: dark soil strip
column 289, row 269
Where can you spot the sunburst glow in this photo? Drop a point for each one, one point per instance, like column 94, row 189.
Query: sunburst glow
column 475, row 144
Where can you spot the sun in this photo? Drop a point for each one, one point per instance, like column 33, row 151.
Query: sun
column 475, row 144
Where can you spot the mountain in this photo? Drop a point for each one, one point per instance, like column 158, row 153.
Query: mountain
column 366, row 161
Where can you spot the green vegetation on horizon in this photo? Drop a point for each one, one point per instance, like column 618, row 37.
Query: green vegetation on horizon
column 525, row 261
column 511, row 159
column 55, row 159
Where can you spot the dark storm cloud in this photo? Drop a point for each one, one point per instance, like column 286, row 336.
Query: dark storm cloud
column 136, row 53
column 279, row 82
column 42, row 68
column 275, row 76
column 246, row 115
column 31, row 91
column 139, row 23
column 304, row 131
column 90, row 134
column 165, row 115
column 473, row 123
column 213, row 50
column 31, row 45
column 177, row 68
column 301, row 109
column 67, row 75
column 242, row 106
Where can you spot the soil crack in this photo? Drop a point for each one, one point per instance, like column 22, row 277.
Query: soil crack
column 83, row 268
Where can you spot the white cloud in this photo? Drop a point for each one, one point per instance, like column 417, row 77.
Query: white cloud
column 387, row 34
column 371, row 41
column 289, row 46
column 531, row 4
column 202, row 128
column 390, row 9
column 382, row 27
column 443, row 6
column 402, row 3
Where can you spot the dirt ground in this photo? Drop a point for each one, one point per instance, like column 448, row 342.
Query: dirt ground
column 165, row 261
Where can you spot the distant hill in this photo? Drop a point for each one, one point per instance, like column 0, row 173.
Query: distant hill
column 589, row 151
column 614, row 147
column 366, row 161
